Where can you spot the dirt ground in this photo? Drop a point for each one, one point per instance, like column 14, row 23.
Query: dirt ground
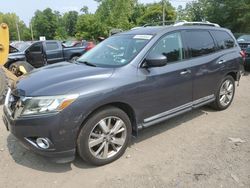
column 192, row 150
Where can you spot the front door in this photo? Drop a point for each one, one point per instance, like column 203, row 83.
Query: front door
column 35, row 55
column 166, row 90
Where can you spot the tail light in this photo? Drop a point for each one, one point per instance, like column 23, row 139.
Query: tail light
column 89, row 46
column 243, row 55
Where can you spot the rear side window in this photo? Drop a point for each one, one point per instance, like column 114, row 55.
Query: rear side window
column 224, row 40
column 199, row 42
column 51, row 46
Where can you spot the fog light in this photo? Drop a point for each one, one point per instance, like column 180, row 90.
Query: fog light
column 43, row 143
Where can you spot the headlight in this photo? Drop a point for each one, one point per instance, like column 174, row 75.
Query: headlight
column 44, row 105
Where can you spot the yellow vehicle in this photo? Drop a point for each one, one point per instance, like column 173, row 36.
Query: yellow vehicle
column 6, row 77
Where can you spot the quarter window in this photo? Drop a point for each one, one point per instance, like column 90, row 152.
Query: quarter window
column 169, row 46
column 224, row 40
column 199, row 42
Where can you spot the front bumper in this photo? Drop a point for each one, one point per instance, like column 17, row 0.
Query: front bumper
column 58, row 128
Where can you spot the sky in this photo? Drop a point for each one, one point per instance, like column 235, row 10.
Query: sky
column 25, row 9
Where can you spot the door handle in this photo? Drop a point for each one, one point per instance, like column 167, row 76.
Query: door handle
column 187, row 71
column 221, row 62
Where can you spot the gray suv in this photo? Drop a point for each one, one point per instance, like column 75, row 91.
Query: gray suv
column 128, row 82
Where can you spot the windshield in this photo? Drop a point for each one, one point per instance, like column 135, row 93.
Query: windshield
column 244, row 38
column 115, row 51
column 23, row 46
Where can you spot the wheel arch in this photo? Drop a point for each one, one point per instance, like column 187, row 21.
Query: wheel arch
column 121, row 105
column 233, row 74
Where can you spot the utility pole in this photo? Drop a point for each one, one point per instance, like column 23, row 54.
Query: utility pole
column 163, row 12
column 18, row 33
column 31, row 31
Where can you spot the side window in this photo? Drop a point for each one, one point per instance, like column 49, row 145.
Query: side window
column 199, row 42
column 36, row 47
column 224, row 40
column 170, row 46
column 51, row 46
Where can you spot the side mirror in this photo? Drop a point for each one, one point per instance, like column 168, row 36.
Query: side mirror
column 158, row 60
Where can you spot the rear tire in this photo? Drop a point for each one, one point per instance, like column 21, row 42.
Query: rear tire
column 105, row 136
column 73, row 59
column 225, row 94
column 3, row 85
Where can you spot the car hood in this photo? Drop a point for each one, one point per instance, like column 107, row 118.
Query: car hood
column 16, row 55
column 61, row 78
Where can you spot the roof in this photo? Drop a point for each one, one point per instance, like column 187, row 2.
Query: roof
column 153, row 30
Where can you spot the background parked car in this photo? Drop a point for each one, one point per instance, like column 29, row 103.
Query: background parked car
column 244, row 42
column 41, row 53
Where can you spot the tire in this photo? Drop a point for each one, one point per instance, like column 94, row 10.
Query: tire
column 14, row 69
column 96, row 136
column 3, row 85
column 73, row 59
column 225, row 94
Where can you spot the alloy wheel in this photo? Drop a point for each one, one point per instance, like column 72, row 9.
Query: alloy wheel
column 107, row 137
column 226, row 92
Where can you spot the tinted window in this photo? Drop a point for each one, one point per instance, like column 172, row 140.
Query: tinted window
column 170, row 46
column 223, row 39
column 51, row 46
column 199, row 42
column 36, row 48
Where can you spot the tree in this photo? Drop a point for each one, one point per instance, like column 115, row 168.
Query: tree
column 89, row 27
column 13, row 22
column 115, row 14
column 70, row 20
column 45, row 23
column 233, row 14
column 153, row 13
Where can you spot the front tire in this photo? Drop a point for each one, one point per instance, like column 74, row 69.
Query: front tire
column 225, row 94
column 105, row 136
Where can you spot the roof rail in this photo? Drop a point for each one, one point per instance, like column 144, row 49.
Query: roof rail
column 206, row 23
column 178, row 23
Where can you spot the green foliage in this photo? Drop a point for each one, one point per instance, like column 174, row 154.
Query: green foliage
column 70, row 20
column 13, row 21
column 232, row 14
column 125, row 14
column 153, row 13
column 45, row 23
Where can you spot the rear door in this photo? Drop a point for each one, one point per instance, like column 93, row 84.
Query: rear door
column 35, row 55
column 205, row 64
column 54, row 52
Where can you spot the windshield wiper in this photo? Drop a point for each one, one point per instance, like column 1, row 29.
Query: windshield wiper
column 87, row 63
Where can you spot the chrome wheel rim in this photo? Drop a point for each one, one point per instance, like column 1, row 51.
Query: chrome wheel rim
column 226, row 92
column 107, row 137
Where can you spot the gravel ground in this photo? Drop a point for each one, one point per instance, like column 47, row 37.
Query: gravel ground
column 192, row 150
